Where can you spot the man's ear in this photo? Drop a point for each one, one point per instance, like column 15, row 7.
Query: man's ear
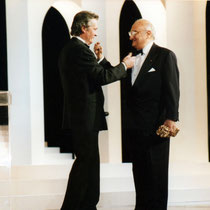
column 84, row 29
column 149, row 33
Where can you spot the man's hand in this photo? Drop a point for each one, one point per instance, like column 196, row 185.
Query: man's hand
column 129, row 60
column 98, row 50
column 171, row 124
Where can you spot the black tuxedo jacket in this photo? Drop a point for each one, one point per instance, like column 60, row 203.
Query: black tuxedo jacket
column 82, row 78
column 154, row 96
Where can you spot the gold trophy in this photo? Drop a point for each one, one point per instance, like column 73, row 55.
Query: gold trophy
column 164, row 132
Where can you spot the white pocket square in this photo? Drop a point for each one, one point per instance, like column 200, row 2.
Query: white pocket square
column 152, row 70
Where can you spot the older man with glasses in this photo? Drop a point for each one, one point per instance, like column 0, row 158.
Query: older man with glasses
column 152, row 101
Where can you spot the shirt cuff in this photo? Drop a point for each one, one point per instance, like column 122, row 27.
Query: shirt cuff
column 124, row 66
column 101, row 59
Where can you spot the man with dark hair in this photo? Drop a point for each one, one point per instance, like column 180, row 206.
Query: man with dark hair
column 81, row 19
column 82, row 75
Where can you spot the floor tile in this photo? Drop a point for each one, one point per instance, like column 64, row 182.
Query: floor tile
column 169, row 208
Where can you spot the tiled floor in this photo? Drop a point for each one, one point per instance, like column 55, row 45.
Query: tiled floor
column 189, row 208
column 169, row 208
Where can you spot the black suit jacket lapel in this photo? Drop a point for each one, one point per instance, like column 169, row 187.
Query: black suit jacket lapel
column 128, row 78
column 147, row 65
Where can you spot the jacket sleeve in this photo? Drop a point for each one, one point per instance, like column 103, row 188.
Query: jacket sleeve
column 171, row 87
column 103, row 73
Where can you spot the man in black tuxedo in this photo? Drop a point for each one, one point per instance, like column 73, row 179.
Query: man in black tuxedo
column 152, row 100
column 82, row 75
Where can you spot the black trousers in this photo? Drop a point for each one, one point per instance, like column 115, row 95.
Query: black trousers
column 150, row 157
column 82, row 191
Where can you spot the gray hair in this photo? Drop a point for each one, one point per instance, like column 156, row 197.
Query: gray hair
column 150, row 27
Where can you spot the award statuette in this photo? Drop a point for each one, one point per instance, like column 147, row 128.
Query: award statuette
column 164, row 132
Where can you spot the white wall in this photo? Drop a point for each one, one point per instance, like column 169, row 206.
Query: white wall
column 24, row 36
column 154, row 11
column 186, row 37
column 68, row 9
column 18, row 80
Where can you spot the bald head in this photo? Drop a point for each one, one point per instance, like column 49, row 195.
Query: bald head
column 142, row 32
column 146, row 25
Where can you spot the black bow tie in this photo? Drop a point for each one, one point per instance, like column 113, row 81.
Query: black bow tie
column 140, row 52
column 136, row 52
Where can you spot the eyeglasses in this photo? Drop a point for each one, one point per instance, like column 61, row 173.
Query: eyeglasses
column 133, row 33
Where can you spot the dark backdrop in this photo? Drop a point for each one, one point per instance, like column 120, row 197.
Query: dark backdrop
column 55, row 34
column 129, row 14
column 3, row 61
column 208, row 65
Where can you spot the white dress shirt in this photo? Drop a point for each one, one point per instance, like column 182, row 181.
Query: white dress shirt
column 140, row 58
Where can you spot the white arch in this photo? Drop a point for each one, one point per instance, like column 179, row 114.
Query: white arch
column 158, row 18
column 68, row 9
